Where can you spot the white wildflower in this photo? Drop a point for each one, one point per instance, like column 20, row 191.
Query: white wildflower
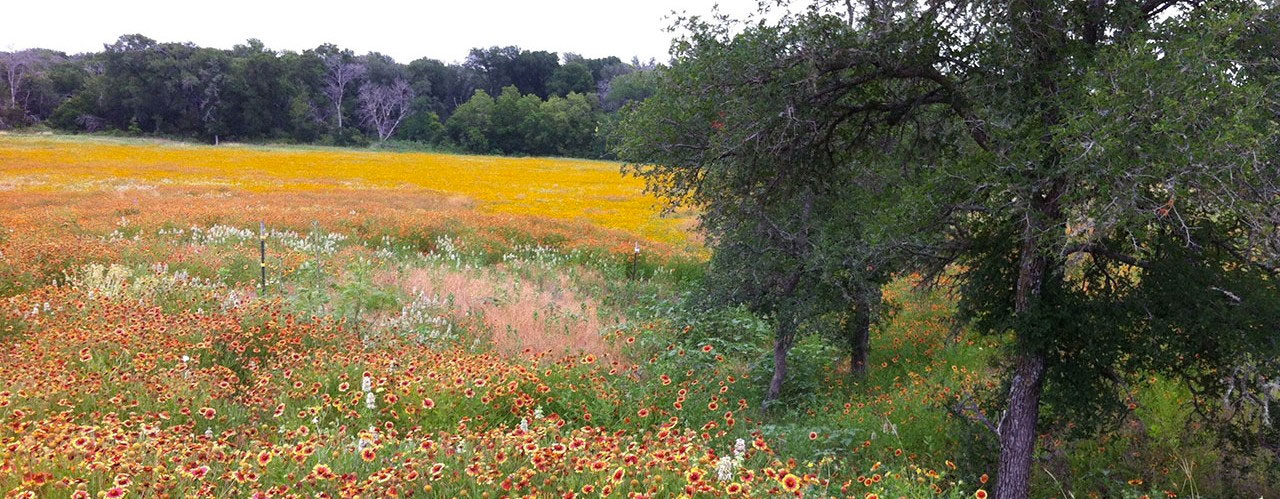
column 724, row 469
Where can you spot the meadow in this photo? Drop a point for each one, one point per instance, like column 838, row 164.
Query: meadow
column 452, row 326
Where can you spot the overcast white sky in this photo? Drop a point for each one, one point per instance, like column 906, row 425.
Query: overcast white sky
column 403, row 29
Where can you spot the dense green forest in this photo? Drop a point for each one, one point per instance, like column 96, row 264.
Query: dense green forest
column 503, row 100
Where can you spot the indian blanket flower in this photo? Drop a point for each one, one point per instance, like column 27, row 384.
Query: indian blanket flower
column 791, row 483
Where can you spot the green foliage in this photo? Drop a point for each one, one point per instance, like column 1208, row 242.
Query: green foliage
column 565, row 127
column 526, row 70
column 783, row 211
column 240, row 269
column 524, row 124
column 358, row 295
column 347, row 136
column 444, row 86
column 305, row 128
column 423, row 125
column 571, row 78
column 808, row 363
column 312, row 296
column 470, row 124
column 140, row 86
column 631, row 87
column 514, row 117
column 734, row 331
column 1107, row 214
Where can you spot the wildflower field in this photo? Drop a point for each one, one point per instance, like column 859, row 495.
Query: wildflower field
column 449, row 326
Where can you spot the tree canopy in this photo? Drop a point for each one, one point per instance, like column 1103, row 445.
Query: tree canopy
column 328, row 94
column 1097, row 179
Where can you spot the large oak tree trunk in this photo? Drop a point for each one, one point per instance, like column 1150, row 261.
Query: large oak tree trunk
column 1018, row 428
column 1018, row 425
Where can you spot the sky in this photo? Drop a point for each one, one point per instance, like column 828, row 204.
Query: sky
column 403, row 29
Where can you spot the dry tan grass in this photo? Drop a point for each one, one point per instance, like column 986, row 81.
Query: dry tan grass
column 525, row 317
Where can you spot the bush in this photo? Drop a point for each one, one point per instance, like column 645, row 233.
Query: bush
column 347, row 137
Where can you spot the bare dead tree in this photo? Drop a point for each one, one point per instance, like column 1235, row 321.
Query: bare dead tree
column 383, row 107
column 339, row 75
column 18, row 67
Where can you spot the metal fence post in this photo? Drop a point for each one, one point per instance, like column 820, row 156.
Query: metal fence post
column 635, row 261
column 262, row 254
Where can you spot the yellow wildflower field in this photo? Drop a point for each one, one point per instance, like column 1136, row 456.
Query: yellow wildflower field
column 572, row 189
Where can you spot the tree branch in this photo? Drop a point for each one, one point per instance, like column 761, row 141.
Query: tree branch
column 1096, row 250
column 959, row 103
column 967, row 410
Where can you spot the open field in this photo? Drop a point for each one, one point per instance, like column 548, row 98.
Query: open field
column 439, row 326
column 571, row 189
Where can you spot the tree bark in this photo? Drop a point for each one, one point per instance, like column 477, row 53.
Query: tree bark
column 1018, row 428
column 1018, row 425
column 784, row 338
column 785, row 334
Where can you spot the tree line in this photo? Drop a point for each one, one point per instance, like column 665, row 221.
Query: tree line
column 503, row 100
column 1096, row 181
